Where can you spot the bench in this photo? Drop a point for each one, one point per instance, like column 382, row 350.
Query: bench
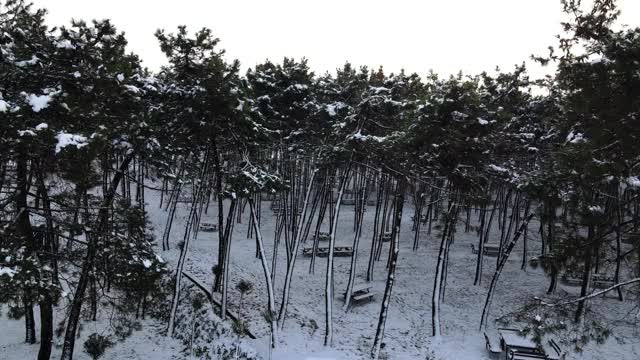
column 363, row 296
column 208, row 227
column 555, row 353
column 517, row 355
column 361, row 292
column 491, row 347
column 323, row 236
column 371, row 202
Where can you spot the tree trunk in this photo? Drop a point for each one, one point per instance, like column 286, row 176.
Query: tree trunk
column 78, row 298
column 377, row 343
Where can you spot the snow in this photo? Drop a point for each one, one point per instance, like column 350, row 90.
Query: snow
column 147, row 263
column 3, row 106
column 42, row 126
column 33, row 61
column 483, row 121
column 497, row 168
column 26, row 132
column 377, row 90
column 66, row 139
column 65, row 44
column 133, row 89
column 38, row 102
column 596, row 209
column 633, row 181
column 575, row 138
column 120, row 77
column 333, row 108
column 457, row 115
column 7, row 271
column 77, row 74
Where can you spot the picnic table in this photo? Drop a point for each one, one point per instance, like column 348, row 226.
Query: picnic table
column 514, row 343
column 597, row 280
column 324, row 251
column 208, row 227
column 517, row 346
column 489, row 249
column 348, row 201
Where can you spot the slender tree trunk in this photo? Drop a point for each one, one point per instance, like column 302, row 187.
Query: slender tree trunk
column 395, row 238
column 496, row 275
column 273, row 322
column 78, row 298
column 296, row 243
column 328, row 338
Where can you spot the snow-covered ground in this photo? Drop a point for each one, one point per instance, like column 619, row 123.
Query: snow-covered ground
column 408, row 329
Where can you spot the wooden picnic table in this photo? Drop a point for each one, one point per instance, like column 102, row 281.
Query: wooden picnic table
column 489, row 249
column 324, row 251
column 513, row 342
column 597, row 280
column 208, row 227
column 348, row 201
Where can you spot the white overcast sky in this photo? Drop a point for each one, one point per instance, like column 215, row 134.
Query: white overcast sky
column 417, row 35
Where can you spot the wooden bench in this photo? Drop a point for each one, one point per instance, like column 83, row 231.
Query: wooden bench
column 554, row 353
column 491, row 347
column 517, row 355
column 361, row 292
column 361, row 297
column 323, row 236
column 208, row 227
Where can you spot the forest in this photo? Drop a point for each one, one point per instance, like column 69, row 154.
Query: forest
column 197, row 212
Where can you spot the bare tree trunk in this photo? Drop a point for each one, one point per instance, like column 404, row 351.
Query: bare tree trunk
column 296, row 244
column 437, row 282
column 267, row 277
column 496, row 275
column 78, row 298
column 377, row 343
column 225, row 264
column 328, row 338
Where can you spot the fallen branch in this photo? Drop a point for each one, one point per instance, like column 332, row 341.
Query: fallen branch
column 214, row 301
column 592, row 295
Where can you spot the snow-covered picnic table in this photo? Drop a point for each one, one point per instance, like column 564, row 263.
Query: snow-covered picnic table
column 489, row 249
column 512, row 340
column 324, row 251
